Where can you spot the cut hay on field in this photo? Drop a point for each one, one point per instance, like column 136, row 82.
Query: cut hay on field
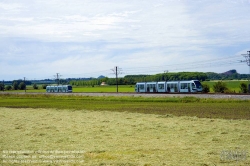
column 122, row 138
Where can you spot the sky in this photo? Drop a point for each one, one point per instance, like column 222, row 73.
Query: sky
column 88, row 38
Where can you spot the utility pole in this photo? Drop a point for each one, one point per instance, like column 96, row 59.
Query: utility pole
column 116, row 71
column 57, row 78
column 166, row 72
column 3, row 85
column 116, row 76
column 247, row 56
column 24, row 84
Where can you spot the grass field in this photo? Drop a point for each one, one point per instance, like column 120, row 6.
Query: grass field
column 121, row 88
column 233, row 85
column 123, row 131
column 187, row 106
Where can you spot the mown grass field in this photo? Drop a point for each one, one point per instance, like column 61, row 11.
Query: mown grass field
column 125, row 130
column 122, row 138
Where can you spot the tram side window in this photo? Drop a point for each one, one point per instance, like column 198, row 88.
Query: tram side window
column 141, row 87
column 172, row 87
column 161, row 86
column 184, row 86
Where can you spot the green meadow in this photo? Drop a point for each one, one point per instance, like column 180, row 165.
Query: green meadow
column 233, row 85
column 97, row 88
column 121, row 88
column 186, row 106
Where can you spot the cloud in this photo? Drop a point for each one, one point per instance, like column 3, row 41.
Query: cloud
column 77, row 37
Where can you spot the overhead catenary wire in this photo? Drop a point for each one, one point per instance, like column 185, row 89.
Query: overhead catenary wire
column 219, row 62
column 188, row 63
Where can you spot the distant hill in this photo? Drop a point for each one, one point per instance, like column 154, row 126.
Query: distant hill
column 228, row 75
column 230, row 72
column 101, row 76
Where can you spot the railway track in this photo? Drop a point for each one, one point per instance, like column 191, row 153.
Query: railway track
column 120, row 94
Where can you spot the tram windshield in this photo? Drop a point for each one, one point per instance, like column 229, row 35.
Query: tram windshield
column 69, row 87
column 198, row 84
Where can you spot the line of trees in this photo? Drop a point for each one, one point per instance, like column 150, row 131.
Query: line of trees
column 169, row 77
column 132, row 79
column 18, row 85
column 15, row 86
column 108, row 81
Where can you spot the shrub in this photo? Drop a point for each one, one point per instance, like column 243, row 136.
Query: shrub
column 243, row 87
column 229, row 91
column 44, row 86
column 205, row 88
column 8, row 87
column 35, row 86
column 220, row 87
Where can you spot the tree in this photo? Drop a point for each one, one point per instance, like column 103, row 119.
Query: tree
column 220, row 87
column 1, row 86
column 22, row 86
column 243, row 87
column 35, row 86
column 205, row 88
column 8, row 87
column 15, row 85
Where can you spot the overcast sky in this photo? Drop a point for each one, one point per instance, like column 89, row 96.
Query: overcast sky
column 88, row 38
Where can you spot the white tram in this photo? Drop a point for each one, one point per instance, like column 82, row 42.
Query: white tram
column 59, row 89
column 190, row 86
